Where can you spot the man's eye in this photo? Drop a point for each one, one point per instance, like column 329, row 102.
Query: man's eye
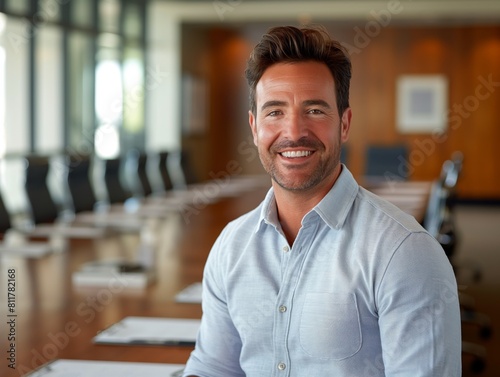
column 315, row 111
column 274, row 113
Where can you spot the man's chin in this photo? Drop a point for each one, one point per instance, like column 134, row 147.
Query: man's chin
column 295, row 184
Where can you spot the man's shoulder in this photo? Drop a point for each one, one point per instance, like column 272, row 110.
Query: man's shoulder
column 380, row 208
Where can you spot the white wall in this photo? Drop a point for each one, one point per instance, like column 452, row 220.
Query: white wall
column 163, row 80
column 49, row 98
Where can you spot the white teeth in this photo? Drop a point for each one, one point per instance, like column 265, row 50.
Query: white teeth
column 293, row 154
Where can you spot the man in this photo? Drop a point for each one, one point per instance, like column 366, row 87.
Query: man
column 323, row 278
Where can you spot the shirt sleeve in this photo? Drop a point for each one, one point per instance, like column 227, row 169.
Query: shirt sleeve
column 218, row 344
column 419, row 315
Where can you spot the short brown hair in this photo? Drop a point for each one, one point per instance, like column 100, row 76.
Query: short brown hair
column 284, row 44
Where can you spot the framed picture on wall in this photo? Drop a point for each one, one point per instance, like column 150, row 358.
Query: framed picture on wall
column 422, row 103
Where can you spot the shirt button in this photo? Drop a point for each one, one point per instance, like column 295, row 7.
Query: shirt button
column 282, row 308
column 281, row 366
column 286, row 248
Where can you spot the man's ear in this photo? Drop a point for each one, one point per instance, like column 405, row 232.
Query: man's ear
column 253, row 126
column 345, row 124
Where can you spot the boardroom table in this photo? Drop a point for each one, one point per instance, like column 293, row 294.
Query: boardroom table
column 410, row 196
column 57, row 320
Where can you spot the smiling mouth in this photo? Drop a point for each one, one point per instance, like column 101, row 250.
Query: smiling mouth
column 295, row 154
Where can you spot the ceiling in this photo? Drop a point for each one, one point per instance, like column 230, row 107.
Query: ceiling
column 400, row 11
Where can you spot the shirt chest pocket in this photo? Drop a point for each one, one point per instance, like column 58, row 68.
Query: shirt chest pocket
column 330, row 326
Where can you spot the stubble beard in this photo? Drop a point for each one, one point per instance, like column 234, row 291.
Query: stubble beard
column 284, row 176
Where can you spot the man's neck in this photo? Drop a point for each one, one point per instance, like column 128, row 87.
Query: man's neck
column 292, row 206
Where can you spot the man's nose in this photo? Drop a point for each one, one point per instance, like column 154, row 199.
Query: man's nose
column 296, row 127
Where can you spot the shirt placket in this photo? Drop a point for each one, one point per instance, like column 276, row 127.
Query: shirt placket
column 290, row 267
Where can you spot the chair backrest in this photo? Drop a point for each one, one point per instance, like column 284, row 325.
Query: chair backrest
column 451, row 170
column 79, row 183
column 180, row 169
column 43, row 207
column 450, row 173
column 114, row 187
column 164, row 171
column 5, row 223
column 141, row 168
column 436, row 207
column 439, row 220
column 387, row 162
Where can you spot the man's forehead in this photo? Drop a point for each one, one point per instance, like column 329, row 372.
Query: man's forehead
column 288, row 70
column 305, row 81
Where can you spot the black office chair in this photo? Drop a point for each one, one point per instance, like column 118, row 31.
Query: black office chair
column 5, row 223
column 440, row 222
column 181, row 173
column 386, row 163
column 22, row 247
column 113, row 182
column 440, row 217
column 142, row 173
column 80, row 187
column 86, row 206
column 42, row 206
column 448, row 234
column 118, row 194
column 164, row 171
column 137, row 167
column 190, row 177
column 45, row 213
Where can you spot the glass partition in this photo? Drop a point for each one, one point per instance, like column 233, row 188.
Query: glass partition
column 82, row 13
column 133, row 101
column 80, row 92
column 18, row 6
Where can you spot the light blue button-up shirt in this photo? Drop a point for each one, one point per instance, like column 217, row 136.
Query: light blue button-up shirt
column 364, row 291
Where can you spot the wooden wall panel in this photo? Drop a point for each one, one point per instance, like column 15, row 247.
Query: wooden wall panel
column 468, row 56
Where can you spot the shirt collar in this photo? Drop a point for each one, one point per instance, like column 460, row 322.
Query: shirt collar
column 336, row 205
column 332, row 209
column 268, row 212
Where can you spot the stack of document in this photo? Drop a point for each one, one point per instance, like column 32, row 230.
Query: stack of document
column 88, row 368
column 151, row 331
column 104, row 273
column 191, row 294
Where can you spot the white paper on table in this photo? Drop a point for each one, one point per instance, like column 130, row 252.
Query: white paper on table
column 151, row 331
column 88, row 368
column 191, row 294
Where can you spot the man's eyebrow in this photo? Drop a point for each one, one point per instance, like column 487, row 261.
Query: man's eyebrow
column 309, row 102
column 272, row 103
column 316, row 102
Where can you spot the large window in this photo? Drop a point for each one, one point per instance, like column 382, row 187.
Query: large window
column 71, row 80
column 14, row 108
column 108, row 96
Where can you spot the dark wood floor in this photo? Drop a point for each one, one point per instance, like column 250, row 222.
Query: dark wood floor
column 55, row 320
